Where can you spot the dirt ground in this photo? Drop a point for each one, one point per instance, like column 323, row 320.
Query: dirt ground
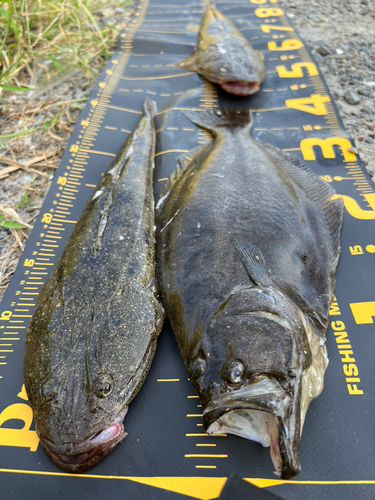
column 340, row 33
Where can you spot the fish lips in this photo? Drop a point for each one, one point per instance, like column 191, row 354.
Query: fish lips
column 240, row 88
column 285, row 436
column 79, row 457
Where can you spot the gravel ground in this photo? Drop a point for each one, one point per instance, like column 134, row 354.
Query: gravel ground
column 341, row 37
column 340, row 34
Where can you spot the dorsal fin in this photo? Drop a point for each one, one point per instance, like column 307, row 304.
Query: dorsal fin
column 183, row 163
column 320, row 191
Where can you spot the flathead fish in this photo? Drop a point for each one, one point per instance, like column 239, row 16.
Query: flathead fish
column 93, row 335
column 247, row 248
column 225, row 57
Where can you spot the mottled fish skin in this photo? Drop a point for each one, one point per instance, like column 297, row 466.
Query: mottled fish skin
column 224, row 56
column 93, row 335
column 247, row 248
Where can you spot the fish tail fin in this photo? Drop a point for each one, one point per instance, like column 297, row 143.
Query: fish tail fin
column 221, row 117
column 149, row 108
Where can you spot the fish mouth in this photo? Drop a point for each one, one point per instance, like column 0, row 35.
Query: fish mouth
column 264, row 412
column 81, row 456
column 240, row 88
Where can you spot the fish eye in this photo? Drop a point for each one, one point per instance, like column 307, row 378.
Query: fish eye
column 234, row 372
column 197, row 368
column 102, row 385
column 49, row 390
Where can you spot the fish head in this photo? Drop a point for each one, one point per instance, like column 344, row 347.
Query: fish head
column 83, row 366
column 225, row 57
column 250, row 373
column 233, row 64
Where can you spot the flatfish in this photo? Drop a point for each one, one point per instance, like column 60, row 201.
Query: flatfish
column 93, row 335
column 247, row 249
column 223, row 56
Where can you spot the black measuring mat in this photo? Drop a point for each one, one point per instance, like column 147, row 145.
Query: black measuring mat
column 238, row 489
column 165, row 454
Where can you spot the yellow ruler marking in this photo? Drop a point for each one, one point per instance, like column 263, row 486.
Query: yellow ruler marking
column 165, row 77
column 268, row 109
column 127, row 110
column 69, row 221
column 98, row 153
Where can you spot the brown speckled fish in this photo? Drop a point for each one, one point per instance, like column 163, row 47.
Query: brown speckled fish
column 247, row 249
column 93, row 335
column 225, row 57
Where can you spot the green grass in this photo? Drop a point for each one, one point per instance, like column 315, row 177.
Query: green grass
column 24, row 200
column 11, row 224
column 53, row 35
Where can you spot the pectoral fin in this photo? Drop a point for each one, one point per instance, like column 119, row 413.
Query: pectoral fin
column 253, row 261
column 189, row 64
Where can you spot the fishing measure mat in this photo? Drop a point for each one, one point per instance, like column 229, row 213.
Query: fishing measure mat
column 167, row 455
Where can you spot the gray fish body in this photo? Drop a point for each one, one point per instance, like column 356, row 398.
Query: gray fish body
column 247, row 244
column 225, row 57
column 93, row 335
